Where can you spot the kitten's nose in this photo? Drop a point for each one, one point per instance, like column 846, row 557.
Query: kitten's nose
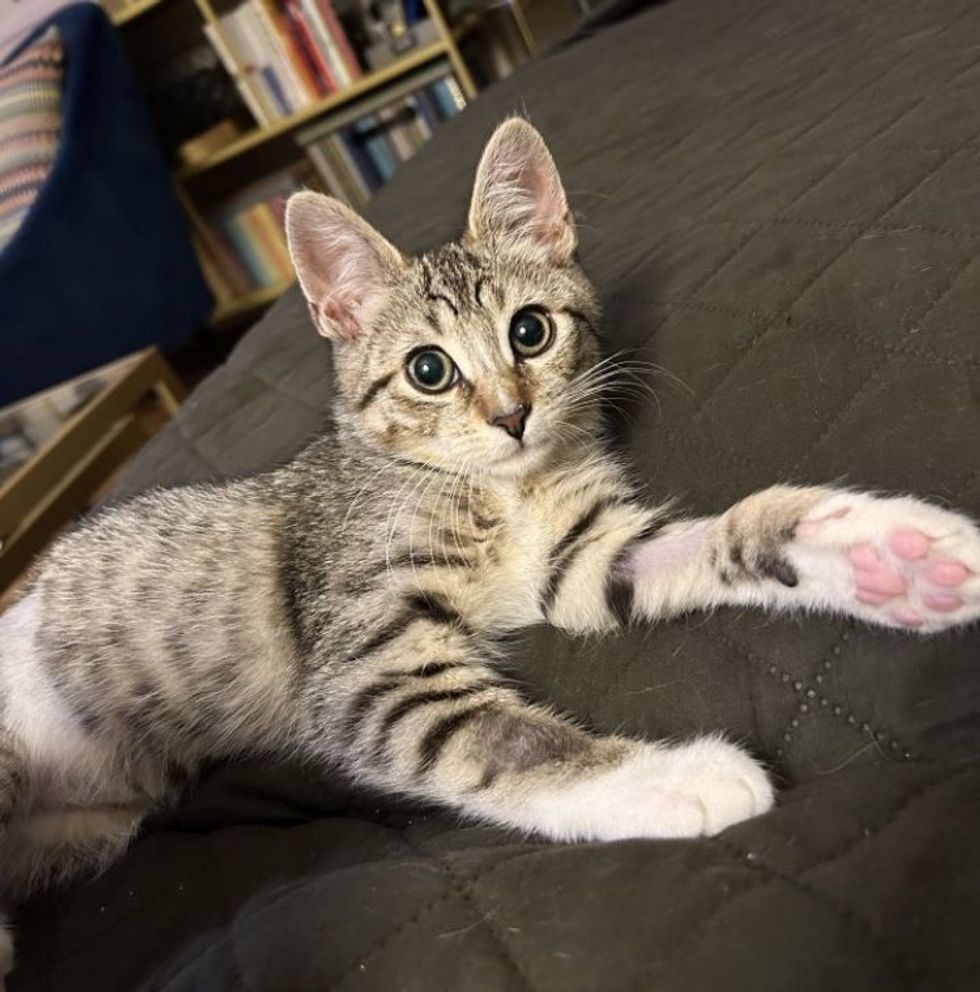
column 514, row 421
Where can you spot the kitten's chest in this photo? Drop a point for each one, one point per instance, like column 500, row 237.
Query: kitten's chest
column 516, row 554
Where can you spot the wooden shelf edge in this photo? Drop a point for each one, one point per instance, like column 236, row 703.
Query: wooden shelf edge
column 133, row 10
column 371, row 81
column 255, row 300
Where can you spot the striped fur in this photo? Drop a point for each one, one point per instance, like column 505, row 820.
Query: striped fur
column 348, row 607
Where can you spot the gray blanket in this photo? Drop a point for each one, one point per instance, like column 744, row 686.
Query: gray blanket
column 781, row 205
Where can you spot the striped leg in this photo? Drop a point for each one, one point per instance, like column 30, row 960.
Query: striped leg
column 426, row 716
column 894, row 561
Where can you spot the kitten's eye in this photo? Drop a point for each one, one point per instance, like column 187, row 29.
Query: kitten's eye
column 431, row 370
column 531, row 332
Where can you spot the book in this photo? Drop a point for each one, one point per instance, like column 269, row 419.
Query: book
column 232, row 31
column 368, row 133
column 266, row 237
column 339, row 36
column 245, row 234
column 275, row 87
column 306, row 56
column 326, row 44
column 332, row 181
column 247, row 248
column 244, row 85
column 263, row 18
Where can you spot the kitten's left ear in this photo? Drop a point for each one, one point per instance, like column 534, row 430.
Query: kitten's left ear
column 345, row 267
column 518, row 199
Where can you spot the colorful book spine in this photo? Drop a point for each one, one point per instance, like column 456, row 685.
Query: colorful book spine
column 275, row 87
column 305, row 53
column 359, row 163
column 370, row 134
column 248, row 250
column 443, row 99
column 266, row 237
column 325, row 43
column 265, row 21
column 339, row 35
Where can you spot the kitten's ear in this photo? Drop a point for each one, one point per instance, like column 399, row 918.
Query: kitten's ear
column 345, row 267
column 518, row 200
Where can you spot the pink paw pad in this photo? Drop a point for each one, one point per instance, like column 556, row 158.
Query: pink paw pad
column 865, row 557
column 947, row 573
column 872, row 598
column 909, row 543
column 942, row 602
column 883, row 580
column 907, row 617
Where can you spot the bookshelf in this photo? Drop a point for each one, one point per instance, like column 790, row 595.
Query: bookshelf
column 131, row 9
column 366, row 84
column 266, row 132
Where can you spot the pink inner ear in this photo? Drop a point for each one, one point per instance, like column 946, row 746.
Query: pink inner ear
column 341, row 317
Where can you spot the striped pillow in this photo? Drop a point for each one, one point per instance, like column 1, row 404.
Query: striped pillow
column 30, row 123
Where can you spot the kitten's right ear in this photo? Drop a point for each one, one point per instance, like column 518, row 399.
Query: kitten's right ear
column 344, row 266
column 518, row 199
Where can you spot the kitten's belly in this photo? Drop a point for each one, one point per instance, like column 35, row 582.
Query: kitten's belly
column 61, row 756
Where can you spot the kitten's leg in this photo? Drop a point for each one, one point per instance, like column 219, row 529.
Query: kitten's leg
column 424, row 714
column 895, row 561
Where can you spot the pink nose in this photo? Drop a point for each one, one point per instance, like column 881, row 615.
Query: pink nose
column 514, row 421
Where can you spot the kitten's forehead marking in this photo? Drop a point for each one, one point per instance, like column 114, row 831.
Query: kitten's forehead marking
column 454, row 277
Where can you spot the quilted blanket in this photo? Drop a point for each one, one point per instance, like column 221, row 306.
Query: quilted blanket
column 780, row 202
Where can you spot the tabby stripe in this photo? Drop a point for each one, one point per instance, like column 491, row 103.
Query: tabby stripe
column 580, row 318
column 619, row 585
column 441, row 733
column 419, row 606
column 373, row 390
column 385, row 636
column 425, row 559
column 430, row 669
column 409, row 704
column 436, row 609
column 362, row 703
column 439, row 298
column 567, row 548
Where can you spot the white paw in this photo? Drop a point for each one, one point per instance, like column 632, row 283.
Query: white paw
column 893, row 561
column 690, row 790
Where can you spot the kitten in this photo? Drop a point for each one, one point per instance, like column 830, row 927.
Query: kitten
column 345, row 608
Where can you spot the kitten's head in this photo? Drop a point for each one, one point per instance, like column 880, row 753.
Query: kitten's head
column 468, row 358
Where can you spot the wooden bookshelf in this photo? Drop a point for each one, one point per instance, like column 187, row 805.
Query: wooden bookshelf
column 132, row 10
column 244, row 157
column 361, row 87
column 256, row 300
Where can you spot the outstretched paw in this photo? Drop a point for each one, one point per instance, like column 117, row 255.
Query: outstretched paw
column 688, row 790
column 895, row 561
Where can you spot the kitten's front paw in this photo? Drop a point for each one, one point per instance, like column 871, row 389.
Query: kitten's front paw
column 893, row 561
column 690, row 790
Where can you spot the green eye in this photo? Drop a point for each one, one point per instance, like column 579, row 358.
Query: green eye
column 431, row 370
column 531, row 332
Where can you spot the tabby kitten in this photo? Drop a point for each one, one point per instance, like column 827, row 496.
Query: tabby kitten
column 346, row 607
